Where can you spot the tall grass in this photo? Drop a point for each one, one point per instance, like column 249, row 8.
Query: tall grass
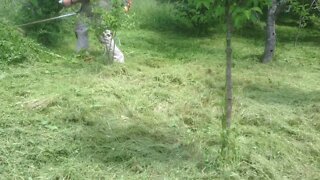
column 9, row 9
column 159, row 16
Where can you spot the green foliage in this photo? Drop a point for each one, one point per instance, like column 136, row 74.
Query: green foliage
column 242, row 11
column 32, row 10
column 165, row 15
column 306, row 11
column 200, row 16
column 302, row 13
column 111, row 19
column 13, row 47
column 154, row 14
column 198, row 13
column 9, row 8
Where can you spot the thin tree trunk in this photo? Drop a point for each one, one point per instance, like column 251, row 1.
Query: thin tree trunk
column 270, row 45
column 228, row 107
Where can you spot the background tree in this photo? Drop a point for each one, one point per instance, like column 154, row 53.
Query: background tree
column 271, row 33
column 302, row 11
column 236, row 14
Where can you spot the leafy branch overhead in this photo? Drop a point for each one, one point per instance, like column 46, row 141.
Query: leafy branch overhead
column 111, row 19
column 242, row 11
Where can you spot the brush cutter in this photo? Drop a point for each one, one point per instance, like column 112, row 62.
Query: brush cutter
column 48, row 19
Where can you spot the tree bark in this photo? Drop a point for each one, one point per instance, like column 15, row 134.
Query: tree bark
column 270, row 45
column 228, row 107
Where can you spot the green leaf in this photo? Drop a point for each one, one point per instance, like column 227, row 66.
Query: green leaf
column 247, row 14
column 257, row 9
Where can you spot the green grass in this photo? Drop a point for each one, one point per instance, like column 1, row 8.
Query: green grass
column 159, row 115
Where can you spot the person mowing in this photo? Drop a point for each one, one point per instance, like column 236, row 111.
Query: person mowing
column 81, row 30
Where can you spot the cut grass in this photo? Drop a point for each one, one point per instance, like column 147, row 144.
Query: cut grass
column 158, row 116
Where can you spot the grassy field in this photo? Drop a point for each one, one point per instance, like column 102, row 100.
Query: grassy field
column 159, row 115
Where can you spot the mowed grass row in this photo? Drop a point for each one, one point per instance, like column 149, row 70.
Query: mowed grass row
column 159, row 115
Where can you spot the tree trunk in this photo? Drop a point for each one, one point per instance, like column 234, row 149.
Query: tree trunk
column 270, row 45
column 228, row 107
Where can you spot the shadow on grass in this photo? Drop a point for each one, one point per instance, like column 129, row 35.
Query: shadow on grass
column 281, row 95
column 285, row 34
column 136, row 147
column 174, row 46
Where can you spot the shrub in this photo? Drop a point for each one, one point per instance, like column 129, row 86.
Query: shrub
column 32, row 10
column 14, row 47
column 158, row 15
column 200, row 17
column 177, row 15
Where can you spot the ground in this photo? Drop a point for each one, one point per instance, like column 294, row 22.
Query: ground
column 158, row 116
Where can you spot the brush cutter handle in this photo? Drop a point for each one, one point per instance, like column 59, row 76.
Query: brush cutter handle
column 68, row 3
column 48, row 19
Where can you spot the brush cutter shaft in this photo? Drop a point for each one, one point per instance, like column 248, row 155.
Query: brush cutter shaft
column 49, row 19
